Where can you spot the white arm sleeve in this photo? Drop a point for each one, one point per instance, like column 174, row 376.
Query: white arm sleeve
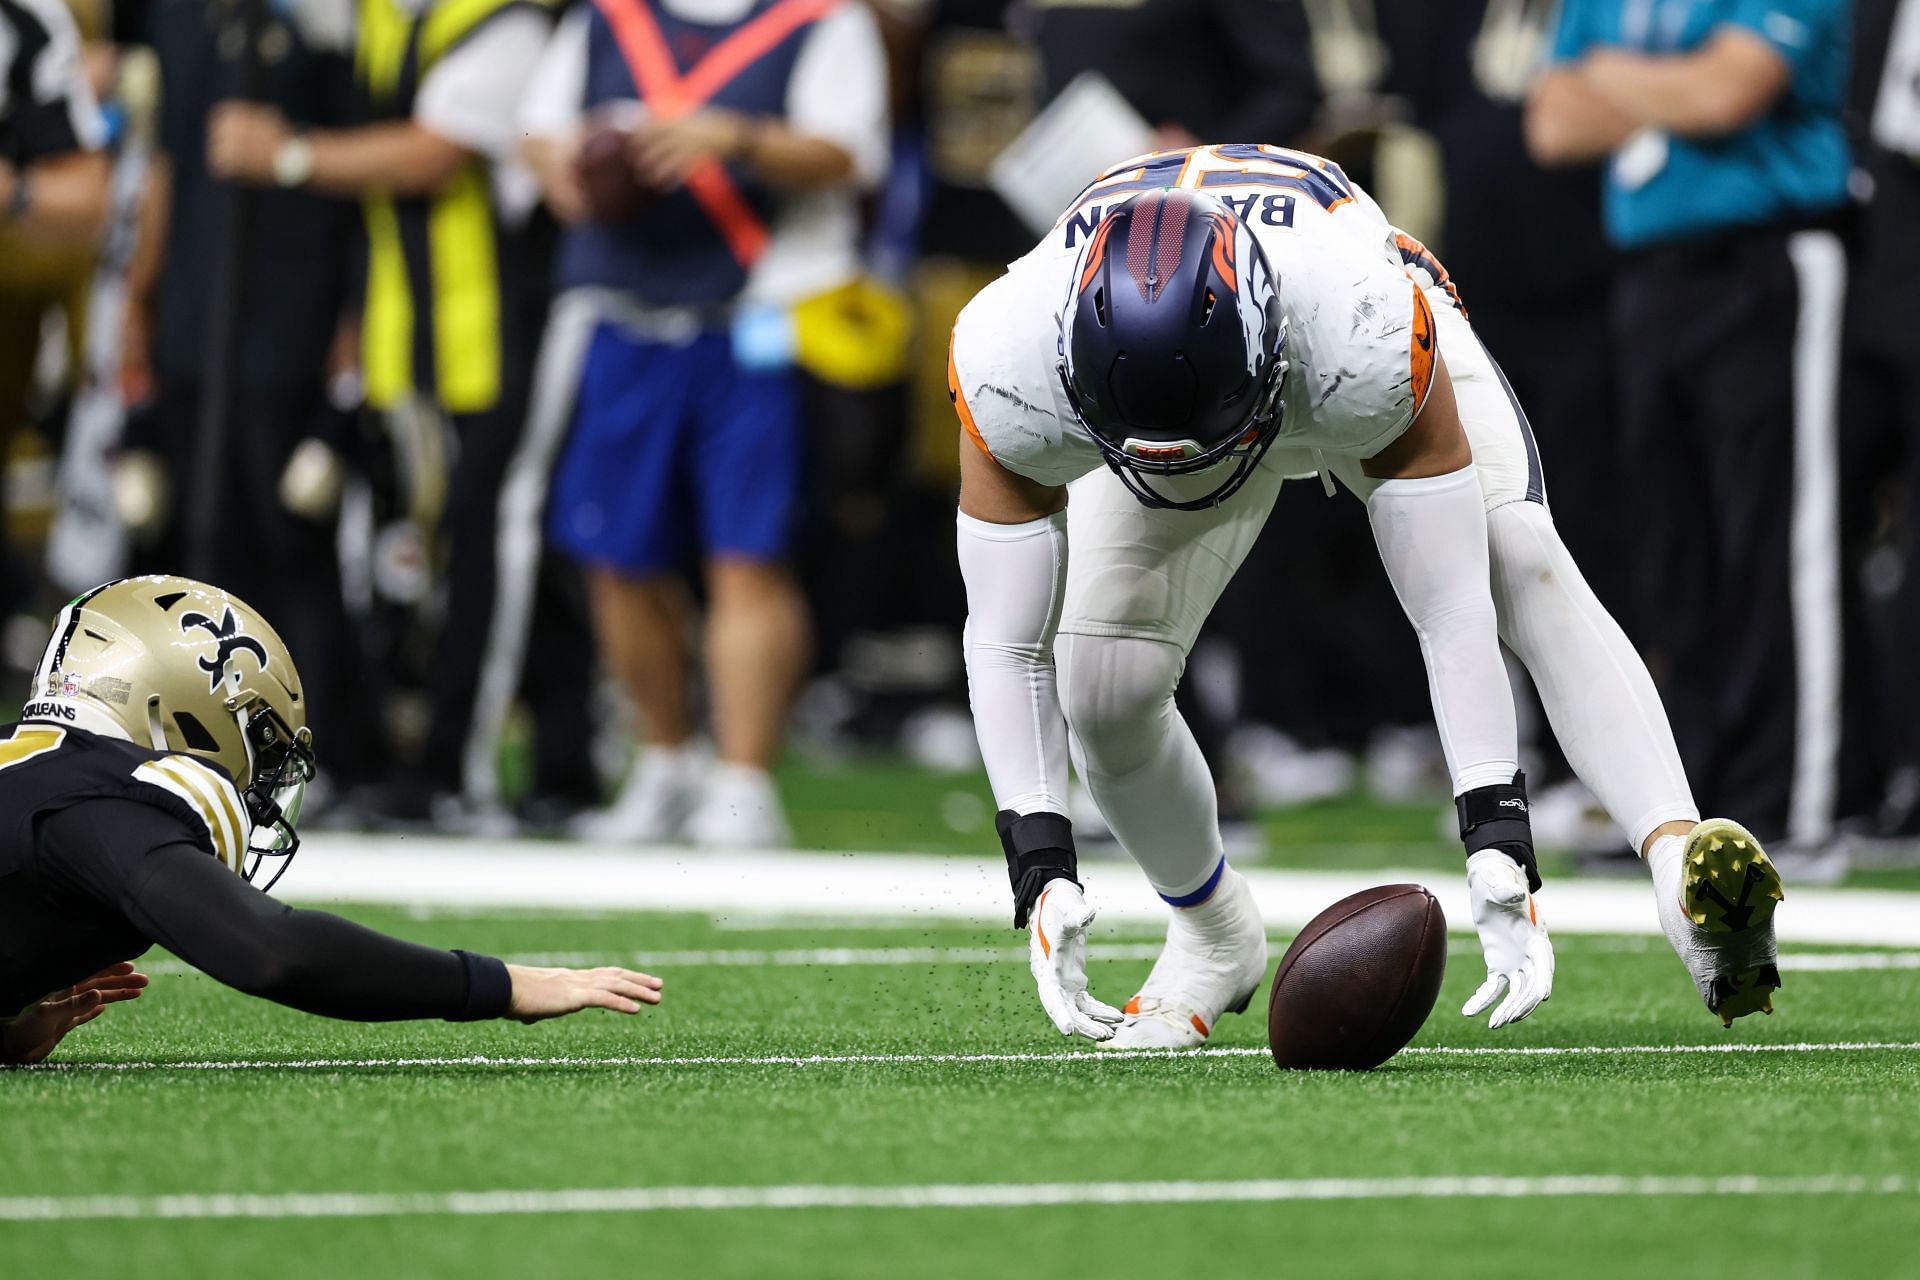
column 1432, row 535
column 1016, row 575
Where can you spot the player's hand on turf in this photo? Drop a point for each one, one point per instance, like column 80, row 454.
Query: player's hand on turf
column 1057, row 954
column 554, row 993
column 1518, row 952
column 30, row 1037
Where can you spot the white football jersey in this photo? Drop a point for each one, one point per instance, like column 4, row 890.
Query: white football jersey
column 1360, row 332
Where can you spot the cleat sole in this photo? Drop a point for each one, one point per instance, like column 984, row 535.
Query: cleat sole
column 1750, row 991
column 1728, row 883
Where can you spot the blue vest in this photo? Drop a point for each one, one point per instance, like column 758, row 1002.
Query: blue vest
column 673, row 254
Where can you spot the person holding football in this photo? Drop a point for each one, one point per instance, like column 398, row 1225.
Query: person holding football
column 1206, row 323
column 155, row 775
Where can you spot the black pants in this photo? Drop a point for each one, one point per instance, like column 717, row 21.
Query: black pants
column 1880, row 501
column 1728, row 356
column 558, row 645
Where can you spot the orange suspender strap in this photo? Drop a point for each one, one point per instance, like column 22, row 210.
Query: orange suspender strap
column 669, row 94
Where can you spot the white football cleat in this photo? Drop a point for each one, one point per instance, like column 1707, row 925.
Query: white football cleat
column 1215, row 959
column 739, row 809
column 660, row 792
column 1721, row 920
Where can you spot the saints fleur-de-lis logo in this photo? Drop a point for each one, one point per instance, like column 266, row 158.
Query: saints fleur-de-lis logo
column 229, row 640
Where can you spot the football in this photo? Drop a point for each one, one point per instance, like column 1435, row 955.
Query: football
column 1359, row 980
column 614, row 192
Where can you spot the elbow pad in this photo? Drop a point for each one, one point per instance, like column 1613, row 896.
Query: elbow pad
column 1496, row 817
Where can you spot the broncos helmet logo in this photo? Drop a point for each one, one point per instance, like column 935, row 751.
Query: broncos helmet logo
column 228, row 639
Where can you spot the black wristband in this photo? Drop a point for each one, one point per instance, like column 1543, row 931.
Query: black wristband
column 1039, row 849
column 489, row 988
column 1496, row 817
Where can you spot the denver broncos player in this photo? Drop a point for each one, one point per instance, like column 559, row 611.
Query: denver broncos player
column 156, row 771
column 1207, row 323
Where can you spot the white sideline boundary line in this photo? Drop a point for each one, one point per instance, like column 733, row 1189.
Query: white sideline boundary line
column 435, row 871
column 1081, row 1057
column 1004, row 1195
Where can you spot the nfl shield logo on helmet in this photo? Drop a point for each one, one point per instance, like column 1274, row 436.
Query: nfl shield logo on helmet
column 70, row 685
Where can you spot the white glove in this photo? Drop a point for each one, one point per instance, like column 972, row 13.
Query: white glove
column 1057, row 954
column 1512, row 938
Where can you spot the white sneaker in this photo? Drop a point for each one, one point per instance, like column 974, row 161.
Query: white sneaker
column 1215, row 959
column 739, row 809
column 1719, row 917
column 661, row 790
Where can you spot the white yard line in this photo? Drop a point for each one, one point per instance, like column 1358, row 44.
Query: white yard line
column 908, row 888
column 852, row 957
column 1079, row 1058
column 952, row 1195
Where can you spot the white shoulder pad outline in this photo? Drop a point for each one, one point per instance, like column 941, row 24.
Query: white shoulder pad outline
column 212, row 798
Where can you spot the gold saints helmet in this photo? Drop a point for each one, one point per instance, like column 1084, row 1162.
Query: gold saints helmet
column 180, row 666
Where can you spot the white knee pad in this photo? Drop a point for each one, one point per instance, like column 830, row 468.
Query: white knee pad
column 1117, row 692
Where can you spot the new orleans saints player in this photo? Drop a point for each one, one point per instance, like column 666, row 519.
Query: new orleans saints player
column 154, row 777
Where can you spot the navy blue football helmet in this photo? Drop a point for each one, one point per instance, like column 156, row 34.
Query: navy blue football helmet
column 1172, row 346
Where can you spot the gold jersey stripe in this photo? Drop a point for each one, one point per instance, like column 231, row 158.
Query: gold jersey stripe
column 210, row 797
column 231, row 811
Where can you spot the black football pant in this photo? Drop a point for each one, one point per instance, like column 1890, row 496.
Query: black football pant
column 1728, row 356
column 559, row 643
column 1880, row 502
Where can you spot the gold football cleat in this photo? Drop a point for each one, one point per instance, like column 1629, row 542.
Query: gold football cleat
column 1728, row 886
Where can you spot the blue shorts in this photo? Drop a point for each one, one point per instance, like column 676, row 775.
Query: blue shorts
column 675, row 449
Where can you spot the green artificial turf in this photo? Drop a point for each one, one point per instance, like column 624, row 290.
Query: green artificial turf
column 600, row 1124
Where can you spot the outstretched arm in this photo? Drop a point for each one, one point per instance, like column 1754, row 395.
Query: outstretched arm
column 1012, row 541
column 180, row 897
column 1429, row 521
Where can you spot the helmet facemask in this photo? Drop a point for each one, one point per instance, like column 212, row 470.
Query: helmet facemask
column 280, row 765
column 1134, row 459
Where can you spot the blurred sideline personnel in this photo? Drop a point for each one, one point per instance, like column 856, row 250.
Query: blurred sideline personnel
column 156, row 771
column 276, row 263
column 53, row 195
column 1150, row 331
column 707, row 155
column 1728, row 179
column 1192, row 68
column 1881, row 409
column 455, row 299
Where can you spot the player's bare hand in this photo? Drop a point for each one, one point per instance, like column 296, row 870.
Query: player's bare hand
column 31, row 1036
column 1513, row 940
column 1057, row 955
column 554, row 993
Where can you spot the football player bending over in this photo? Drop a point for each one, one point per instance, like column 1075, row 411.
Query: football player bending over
column 1207, row 323
column 157, row 769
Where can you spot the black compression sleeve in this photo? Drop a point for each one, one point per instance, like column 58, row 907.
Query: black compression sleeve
column 181, row 898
